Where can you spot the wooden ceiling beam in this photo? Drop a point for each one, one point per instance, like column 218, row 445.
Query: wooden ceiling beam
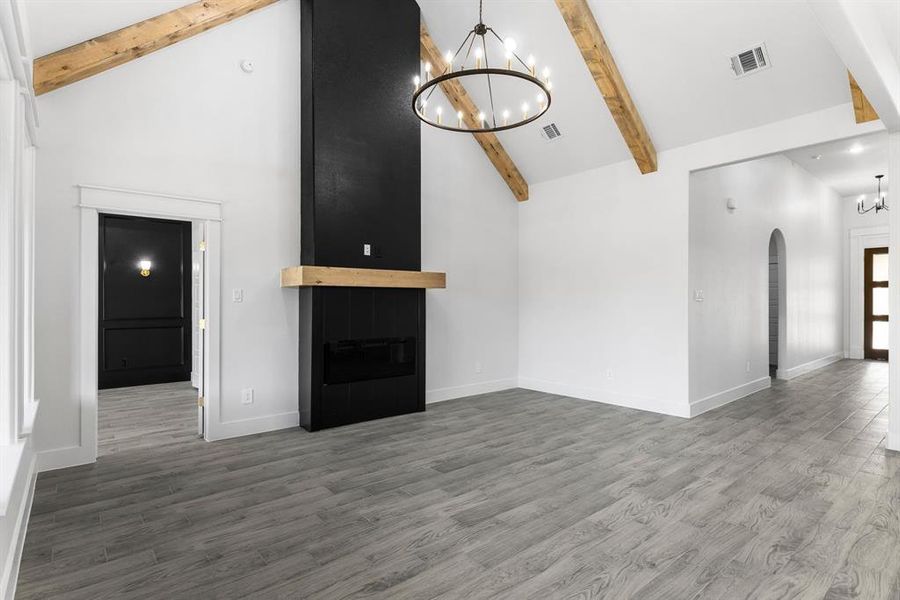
column 599, row 60
column 863, row 111
column 461, row 101
column 102, row 53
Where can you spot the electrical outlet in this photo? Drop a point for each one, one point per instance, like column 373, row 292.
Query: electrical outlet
column 478, row 367
column 237, row 295
column 367, row 249
column 698, row 295
column 247, row 396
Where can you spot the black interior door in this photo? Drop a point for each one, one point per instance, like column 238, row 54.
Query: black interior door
column 145, row 324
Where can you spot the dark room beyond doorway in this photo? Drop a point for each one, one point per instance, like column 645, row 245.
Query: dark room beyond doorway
column 144, row 301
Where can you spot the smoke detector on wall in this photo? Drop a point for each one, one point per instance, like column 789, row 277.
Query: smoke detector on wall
column 550, row 132
column 750, row 61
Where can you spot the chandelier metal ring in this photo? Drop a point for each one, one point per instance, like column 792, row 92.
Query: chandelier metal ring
column 432, row 83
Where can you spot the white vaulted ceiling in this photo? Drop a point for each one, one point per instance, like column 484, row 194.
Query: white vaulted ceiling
column 673, row 55
column 58, row 24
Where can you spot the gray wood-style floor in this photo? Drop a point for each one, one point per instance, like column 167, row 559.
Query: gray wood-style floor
column 518, row 494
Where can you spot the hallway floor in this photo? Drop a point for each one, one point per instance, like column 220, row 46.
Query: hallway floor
column 788, row 493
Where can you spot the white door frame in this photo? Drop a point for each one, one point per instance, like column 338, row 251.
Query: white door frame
column 860, row 239
column 94, row 200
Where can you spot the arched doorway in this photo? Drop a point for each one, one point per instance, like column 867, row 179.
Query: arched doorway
column 777, row 304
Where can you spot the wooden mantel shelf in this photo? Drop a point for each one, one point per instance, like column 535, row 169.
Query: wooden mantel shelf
column 310, row 275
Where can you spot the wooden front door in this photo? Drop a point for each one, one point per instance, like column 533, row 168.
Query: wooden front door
column 876, row 303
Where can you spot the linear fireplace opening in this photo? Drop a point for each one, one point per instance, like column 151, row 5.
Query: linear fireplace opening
column 365, row 359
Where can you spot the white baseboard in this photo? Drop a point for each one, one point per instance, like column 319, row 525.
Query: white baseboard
column 472, row 389
column 63, row 458
column 807, row 367
column 233, row 429
column 698, row 407
column 656, row 405
column 14, row 524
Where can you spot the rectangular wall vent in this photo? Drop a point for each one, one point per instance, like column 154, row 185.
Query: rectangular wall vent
column 550, row 132
column 750, row 61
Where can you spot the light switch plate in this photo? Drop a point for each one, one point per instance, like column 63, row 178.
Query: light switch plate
column 367, row 249
column 237, row 295
column 247, row 396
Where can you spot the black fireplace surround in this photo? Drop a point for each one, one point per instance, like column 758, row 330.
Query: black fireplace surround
column 362, row 350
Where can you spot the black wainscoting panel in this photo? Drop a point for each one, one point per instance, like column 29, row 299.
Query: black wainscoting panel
column 144, row 322
column 360, row 146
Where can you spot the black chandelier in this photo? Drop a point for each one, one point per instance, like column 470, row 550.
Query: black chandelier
column 880, row 200
column 457, row 67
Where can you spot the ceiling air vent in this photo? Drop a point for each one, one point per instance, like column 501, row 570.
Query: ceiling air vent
column 550, row 132
column 750, row 61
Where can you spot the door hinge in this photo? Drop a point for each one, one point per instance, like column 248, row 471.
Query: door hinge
column 201, row 401
column 202, row 324
column 201, row 246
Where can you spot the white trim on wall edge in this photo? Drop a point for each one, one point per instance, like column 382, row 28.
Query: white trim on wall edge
column 698, row 407
column 808, row 367
column 10, row 566
column 63, row 458
column 606, row 397
column 232, row 429
column 471, row 389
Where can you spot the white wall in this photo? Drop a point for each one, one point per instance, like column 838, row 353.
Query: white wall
column 603, row 268
column 870, row 230
column 185, row 120
column 469, row 225
column 729, row 261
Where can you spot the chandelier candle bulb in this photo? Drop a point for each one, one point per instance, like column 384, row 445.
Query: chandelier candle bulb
column 439, row 112
column 524, row 110
column 546, row 74
column 416, row 81
column 505, row 118
column 479, row 54
column 459, row 116
column 481, row 119
column 449, row 58
column 531, row 64
column 508, row 60
column 427, row 71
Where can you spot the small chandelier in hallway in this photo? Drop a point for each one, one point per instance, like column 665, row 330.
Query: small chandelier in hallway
column 880, row 200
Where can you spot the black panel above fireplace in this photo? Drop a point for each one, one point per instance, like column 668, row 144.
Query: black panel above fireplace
column 360, row 154
column 362, row 350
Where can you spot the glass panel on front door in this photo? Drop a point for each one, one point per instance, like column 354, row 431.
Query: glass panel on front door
column 876, row 303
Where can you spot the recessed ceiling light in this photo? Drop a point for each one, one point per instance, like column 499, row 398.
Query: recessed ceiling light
column 816, row 157
column 855, row 149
